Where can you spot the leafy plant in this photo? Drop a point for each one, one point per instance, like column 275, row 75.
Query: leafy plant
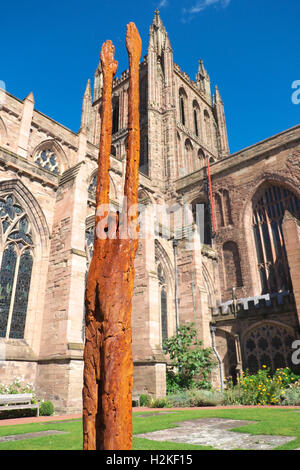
column 191, row 363
column 46, row 408
column 158, row 403
column 145, row 400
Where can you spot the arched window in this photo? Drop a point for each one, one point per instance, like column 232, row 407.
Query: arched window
column 46, row 158
column 196, row 114
column 93, row 186
column 115, row 116
column 182, row 106
column 201, row 158
column 223, row 206
column 268, row 213
column 219, row 211
column 144, row 154
column 270, row 345
column 196, row 122
column 143, row 95
column 188, row 155
column 16, row 268
column 113, row 151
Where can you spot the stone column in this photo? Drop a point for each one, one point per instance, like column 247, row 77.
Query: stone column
column 291, row 233
column 25, row 125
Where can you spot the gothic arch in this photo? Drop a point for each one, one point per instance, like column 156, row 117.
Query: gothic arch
column 161, row 254
column 196, row 118
column 165, row 276
column 115, row 113
column 223, row 205
column 92, row 183
column 201, row 159
column 50, row 156
column 24, row 250
column 188, row 151
column 183, row 107
column 261, row 183
column 32, row 207
column 144, row 197
column 267, row 343
column 270, row 273
column 219, row 211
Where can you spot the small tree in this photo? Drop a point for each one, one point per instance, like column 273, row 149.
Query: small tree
column 191, row 363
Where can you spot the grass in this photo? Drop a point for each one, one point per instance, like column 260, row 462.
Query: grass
column 269, row 421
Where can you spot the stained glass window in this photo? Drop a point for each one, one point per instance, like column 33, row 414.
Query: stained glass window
column 268, row 215
column 16, row 268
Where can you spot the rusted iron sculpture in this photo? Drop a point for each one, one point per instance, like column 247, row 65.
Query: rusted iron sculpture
column 108, row 366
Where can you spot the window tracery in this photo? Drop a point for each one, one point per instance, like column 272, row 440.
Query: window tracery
column 268, row 345
column 16, row 267
column 46, row 158
column 268, row 215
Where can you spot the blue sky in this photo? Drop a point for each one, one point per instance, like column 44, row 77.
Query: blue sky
column 249, row 47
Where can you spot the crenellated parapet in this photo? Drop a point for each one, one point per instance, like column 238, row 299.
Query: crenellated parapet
column 260, row 305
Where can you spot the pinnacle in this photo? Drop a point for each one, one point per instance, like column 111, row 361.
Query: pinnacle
column 157, row 19
column 88, row 88
column 30, row 97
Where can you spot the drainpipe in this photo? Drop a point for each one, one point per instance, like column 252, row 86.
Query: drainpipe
column 212, row 332
column 175, row 243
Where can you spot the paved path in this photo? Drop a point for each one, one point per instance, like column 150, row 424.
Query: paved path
column 216, row 432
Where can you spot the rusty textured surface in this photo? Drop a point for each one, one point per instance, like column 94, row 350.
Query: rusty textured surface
column 108, row 366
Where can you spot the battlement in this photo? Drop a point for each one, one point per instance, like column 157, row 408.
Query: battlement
column 125, row 74
column 262, row 305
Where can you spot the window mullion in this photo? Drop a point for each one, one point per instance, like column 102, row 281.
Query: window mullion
column 268, row 223
column 12, row 299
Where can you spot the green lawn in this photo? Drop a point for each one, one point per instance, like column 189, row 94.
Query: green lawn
column 269, row 421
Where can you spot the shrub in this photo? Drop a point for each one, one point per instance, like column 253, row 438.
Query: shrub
column 158, row 403
column 46, row 408
column 145, row 400
column 290, row 397
column 191, row 363
column 195, row 397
